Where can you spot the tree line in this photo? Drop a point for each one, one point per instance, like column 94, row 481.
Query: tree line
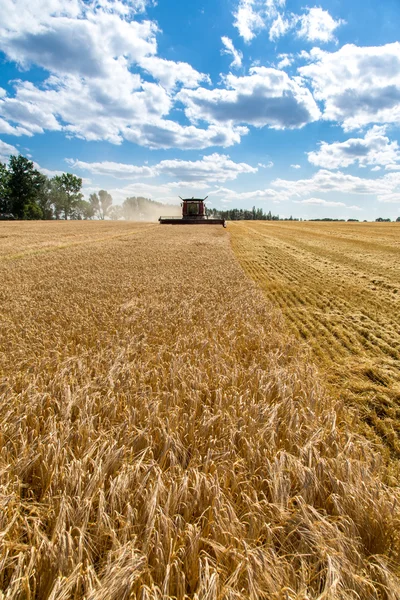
column 26, row 193
column 242, row 214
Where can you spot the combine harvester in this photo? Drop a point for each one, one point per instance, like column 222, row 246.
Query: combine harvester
column 193, row 213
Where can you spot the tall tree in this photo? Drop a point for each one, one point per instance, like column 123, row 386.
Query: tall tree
column 95, row 203
column 83, row 210
column 105, row 203
column 66, row 194
column 25, row 184
column 44, row 197
column 101, row 203
column 4, row 191
column 116, row 213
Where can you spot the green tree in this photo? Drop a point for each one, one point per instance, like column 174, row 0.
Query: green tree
column 4, row 191
column 66, row 194
column 25, row 184
column 82, row 210
column 44, row 197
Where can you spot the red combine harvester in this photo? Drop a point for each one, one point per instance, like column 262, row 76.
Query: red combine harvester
column 193, row 213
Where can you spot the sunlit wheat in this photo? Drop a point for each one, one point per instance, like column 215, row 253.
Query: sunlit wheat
column 162, row 436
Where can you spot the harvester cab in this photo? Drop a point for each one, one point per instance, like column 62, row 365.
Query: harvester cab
column 193, row 213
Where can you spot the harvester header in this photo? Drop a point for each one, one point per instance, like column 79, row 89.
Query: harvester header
column 193, row 213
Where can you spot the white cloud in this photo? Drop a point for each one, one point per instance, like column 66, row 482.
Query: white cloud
column 279, row 27
column 358, row 86
column 91, row 113
column 74, row 38
column 163, row 133
column 390, row 198
column 88, row 108
column 386, row 188
column 8, row 129
column 325, row 181
column 285, row 60
column 229, row 48
column 266, row 97
column 113, row 169
column 91, row 51
column 296, row 166
column 230, row 195
column 6, row 150
column 214, row 167
column 252, row 16
column 169, row 73
column 319, row 202
column 248, row 20
column 374, row 148
column 317, row 25
column 166, row 193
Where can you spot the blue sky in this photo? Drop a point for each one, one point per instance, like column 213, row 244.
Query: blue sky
column 288, row 106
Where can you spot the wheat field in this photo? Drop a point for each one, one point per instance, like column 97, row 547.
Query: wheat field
column 164, row 435
column 338, row 285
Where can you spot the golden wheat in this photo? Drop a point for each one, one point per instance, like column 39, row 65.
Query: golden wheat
column 162, row 436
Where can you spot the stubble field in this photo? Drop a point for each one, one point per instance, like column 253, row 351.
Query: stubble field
column 163, row 435
column 338, row 286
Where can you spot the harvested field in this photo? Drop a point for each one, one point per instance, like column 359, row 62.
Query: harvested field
column 163, row 436
column 338, row 285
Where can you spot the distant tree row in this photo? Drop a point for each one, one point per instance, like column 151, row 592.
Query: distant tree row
column 240, row 214
column 25, row 193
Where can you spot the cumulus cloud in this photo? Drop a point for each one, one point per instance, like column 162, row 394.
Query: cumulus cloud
column 285, row 60
column 118, row 170
column 74, row 38
column 279, row 27
column 266, row 97
column 295, row 166
column 165, row 133
column 214, row 167
column 317, row 25
column 92, row 51
column 386, row 188
column 374, row 148
column 248, row 19
column 230, row 49
column 88, row 111
column 329, row 181
column 252, row 16
column 169, row 73
column 358, row 86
